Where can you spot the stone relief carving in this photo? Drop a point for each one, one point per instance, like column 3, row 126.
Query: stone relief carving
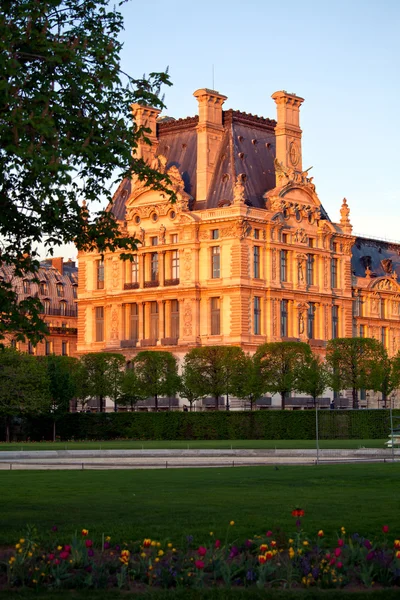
column 142, row 236
column 238, row 190
column 300, row 236
column 115, row 273
column 287, row 175
column 274, row 318
column 273, row 263
column 187, row 265
column 187, row 317
column 114, row 324
column 386, row 284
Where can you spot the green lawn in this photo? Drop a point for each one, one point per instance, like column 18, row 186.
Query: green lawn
column 193, row 444
column 174, row 503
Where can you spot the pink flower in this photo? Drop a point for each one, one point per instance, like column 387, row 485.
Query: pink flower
column 217, row 544
column 338, row 552
column 340, row 542
column 67, row 548
column 56, row 562
column 202, row 551
column 51, row 556
column 332, row 561
column 64, row 555
column 199, row 564
column 385, row 529
column 88, row 543
column 269, row 533
column 339, row 565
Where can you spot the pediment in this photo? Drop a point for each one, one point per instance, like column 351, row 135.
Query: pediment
column 384, row 284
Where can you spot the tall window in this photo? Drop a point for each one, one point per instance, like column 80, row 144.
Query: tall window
column 310, row 269
column 215, row 316
column 310, row 320
column 175, row 264
column 75, row 291
column 215, row 234
column 257, row 315
column 63, row 309
column 100, row 274
column 383, row 309
column 135, row 268
column 99, row 323
column 64, row 348
column 44, row 288
column 30, row 348
column 134, row 322
column 154, row 241
column 46, row 307
column 256, row 234
column 284, row 256
column 154, row 320
column 284, row 318
column 26, row 286
column 383, row 336
column 362, row 330
column 334, row 264
column 215, row 261
column 154, row 267
column 47, row 347
column 256, row 262
column 335, row 322
column 174, row 238
column 174, row 319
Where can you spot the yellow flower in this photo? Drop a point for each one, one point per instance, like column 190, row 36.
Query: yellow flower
column 290, row 541
column 170, row 545
column 342, row 529
column 153, row 543
column 85, row 531
column 59, row 547
column 157, row 559
column 305, row 543
column 173, row 549
column 232, row 523
column 291, row 552
column 20, row 551
column 158, row 544
column 17, row 546
column 143, row 555
column 30, row 554
column 34, row 580
column 43, row 574
column 211, row 533
column 22, row 541
column 12, row 559
column 107, row 538
column 150, row 568
column 161, row 553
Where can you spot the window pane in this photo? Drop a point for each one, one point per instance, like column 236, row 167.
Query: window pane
column 99, row 318
column 215, row 316
column 284, row 318
column 215, row 266
column 257, row 316
column 256, row 262
column 100, row 275
column 174, row 319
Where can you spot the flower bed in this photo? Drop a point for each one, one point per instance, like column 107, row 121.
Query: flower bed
column 269, row 560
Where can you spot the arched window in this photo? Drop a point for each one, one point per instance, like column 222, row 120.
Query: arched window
column 46, row 306
column 63, row 309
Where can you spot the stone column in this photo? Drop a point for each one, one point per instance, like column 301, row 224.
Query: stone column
column 161, row 321
column 161, row 274
column 142, row 267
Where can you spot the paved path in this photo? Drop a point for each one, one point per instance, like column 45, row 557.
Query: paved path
column 161, row 459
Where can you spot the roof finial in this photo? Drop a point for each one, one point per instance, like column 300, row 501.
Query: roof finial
column 344, row 218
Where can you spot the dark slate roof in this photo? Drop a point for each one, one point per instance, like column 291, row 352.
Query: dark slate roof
column 118, row 206
column 178, row 143
column 371, row 252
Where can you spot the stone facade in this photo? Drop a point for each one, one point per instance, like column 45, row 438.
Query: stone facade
column 246, row 255
column 57, row 288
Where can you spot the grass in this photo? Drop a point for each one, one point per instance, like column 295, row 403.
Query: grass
column 192, row 444
column 171, row 503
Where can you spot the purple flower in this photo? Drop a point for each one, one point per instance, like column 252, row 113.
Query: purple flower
column 370, row 555
column 189, row 539
column 367, row 544
column 90, row 552
column 248, row 543
column 234, row 552
column 315, row 572
column 250, row 575
column 118, row 548
column 106, row 545
column 54, row 528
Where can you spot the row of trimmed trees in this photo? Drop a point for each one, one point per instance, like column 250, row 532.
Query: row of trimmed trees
column 35, row 385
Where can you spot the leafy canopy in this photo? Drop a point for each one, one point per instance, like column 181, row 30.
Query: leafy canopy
column 66, row 131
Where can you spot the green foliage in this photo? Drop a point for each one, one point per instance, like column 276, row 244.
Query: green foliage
column 356, row 363
column 213, row 371
column 131, row 390
column 157, row 374
column 66, row 129
column 24, row 385
column 101, row 374
column 313, row 377
column 249, row 383
column 279, row 365
column 215, row 425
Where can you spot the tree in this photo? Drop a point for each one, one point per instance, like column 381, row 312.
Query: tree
column 213, row 371
column 131, row 390
column 250, row 385
column 24, row 386
column 66, row 130
column 313, row 378
column 191, row 394
column 101, row 376
column 62, row 373
column 279, row 364
column 157, row 374
column 355, row 363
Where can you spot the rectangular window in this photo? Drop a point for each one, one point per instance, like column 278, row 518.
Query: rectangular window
column 215, row 262
column 154, row 267
column 174, row 238
column 335, row 322
column 215, row 234
column 14, row 344
column 284, row 256
column 175, row 319
column 100, row 274
column 60, row 290
column 44, row 288
column 334, row 272
column 63, row 309
column 383, row 307
column 362, row 331
column 134, row 322
column 154, row 241
column 311, row 242
column 75, row 291
column 334, row 246
column 257, row 315
column 47, row 347
column 64, row 348
column 99, row 325
column 30, row 348
column 284, row 238
column 135, row 268
column 310, row 269
column 284, row 318
column 310, row 320
column 175, row 264
column 256, row 234
column 215, row 316
column 27, row 287
column 256, row 262
column 383, row 336
column 154, row 320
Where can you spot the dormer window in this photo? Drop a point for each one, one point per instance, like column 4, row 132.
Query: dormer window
column 60, row 290
column 75, row 291
column 63, row 309
column 27, row 286
column 46, row 307
column 44, row 288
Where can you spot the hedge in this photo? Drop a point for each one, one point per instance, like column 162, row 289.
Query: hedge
column 272, row 425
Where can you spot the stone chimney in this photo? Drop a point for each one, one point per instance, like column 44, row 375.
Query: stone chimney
column 209, row 137
column 146, row 116
column 287, row 130
column 58, row 263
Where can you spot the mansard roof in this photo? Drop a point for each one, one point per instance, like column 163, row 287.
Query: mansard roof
column 375, row 253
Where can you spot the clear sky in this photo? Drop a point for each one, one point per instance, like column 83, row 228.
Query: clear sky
column 341, row 56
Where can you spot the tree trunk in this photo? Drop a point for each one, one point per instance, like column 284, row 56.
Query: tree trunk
column 283, row 396
column 54, row 430
column 216, row 398
column 355, row 398
column 7, row 430
column 101, row 404
column 156, row 402
column 384, row 399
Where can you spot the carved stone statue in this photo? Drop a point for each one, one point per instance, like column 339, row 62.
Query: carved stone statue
column 162, row 234
column 301, row 323
column 238, row 190
column 142, row 235
column 344, row 218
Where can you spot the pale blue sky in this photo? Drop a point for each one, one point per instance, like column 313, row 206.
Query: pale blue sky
column 341, row 56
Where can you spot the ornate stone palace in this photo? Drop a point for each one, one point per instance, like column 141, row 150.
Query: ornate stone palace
column 246, row 255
